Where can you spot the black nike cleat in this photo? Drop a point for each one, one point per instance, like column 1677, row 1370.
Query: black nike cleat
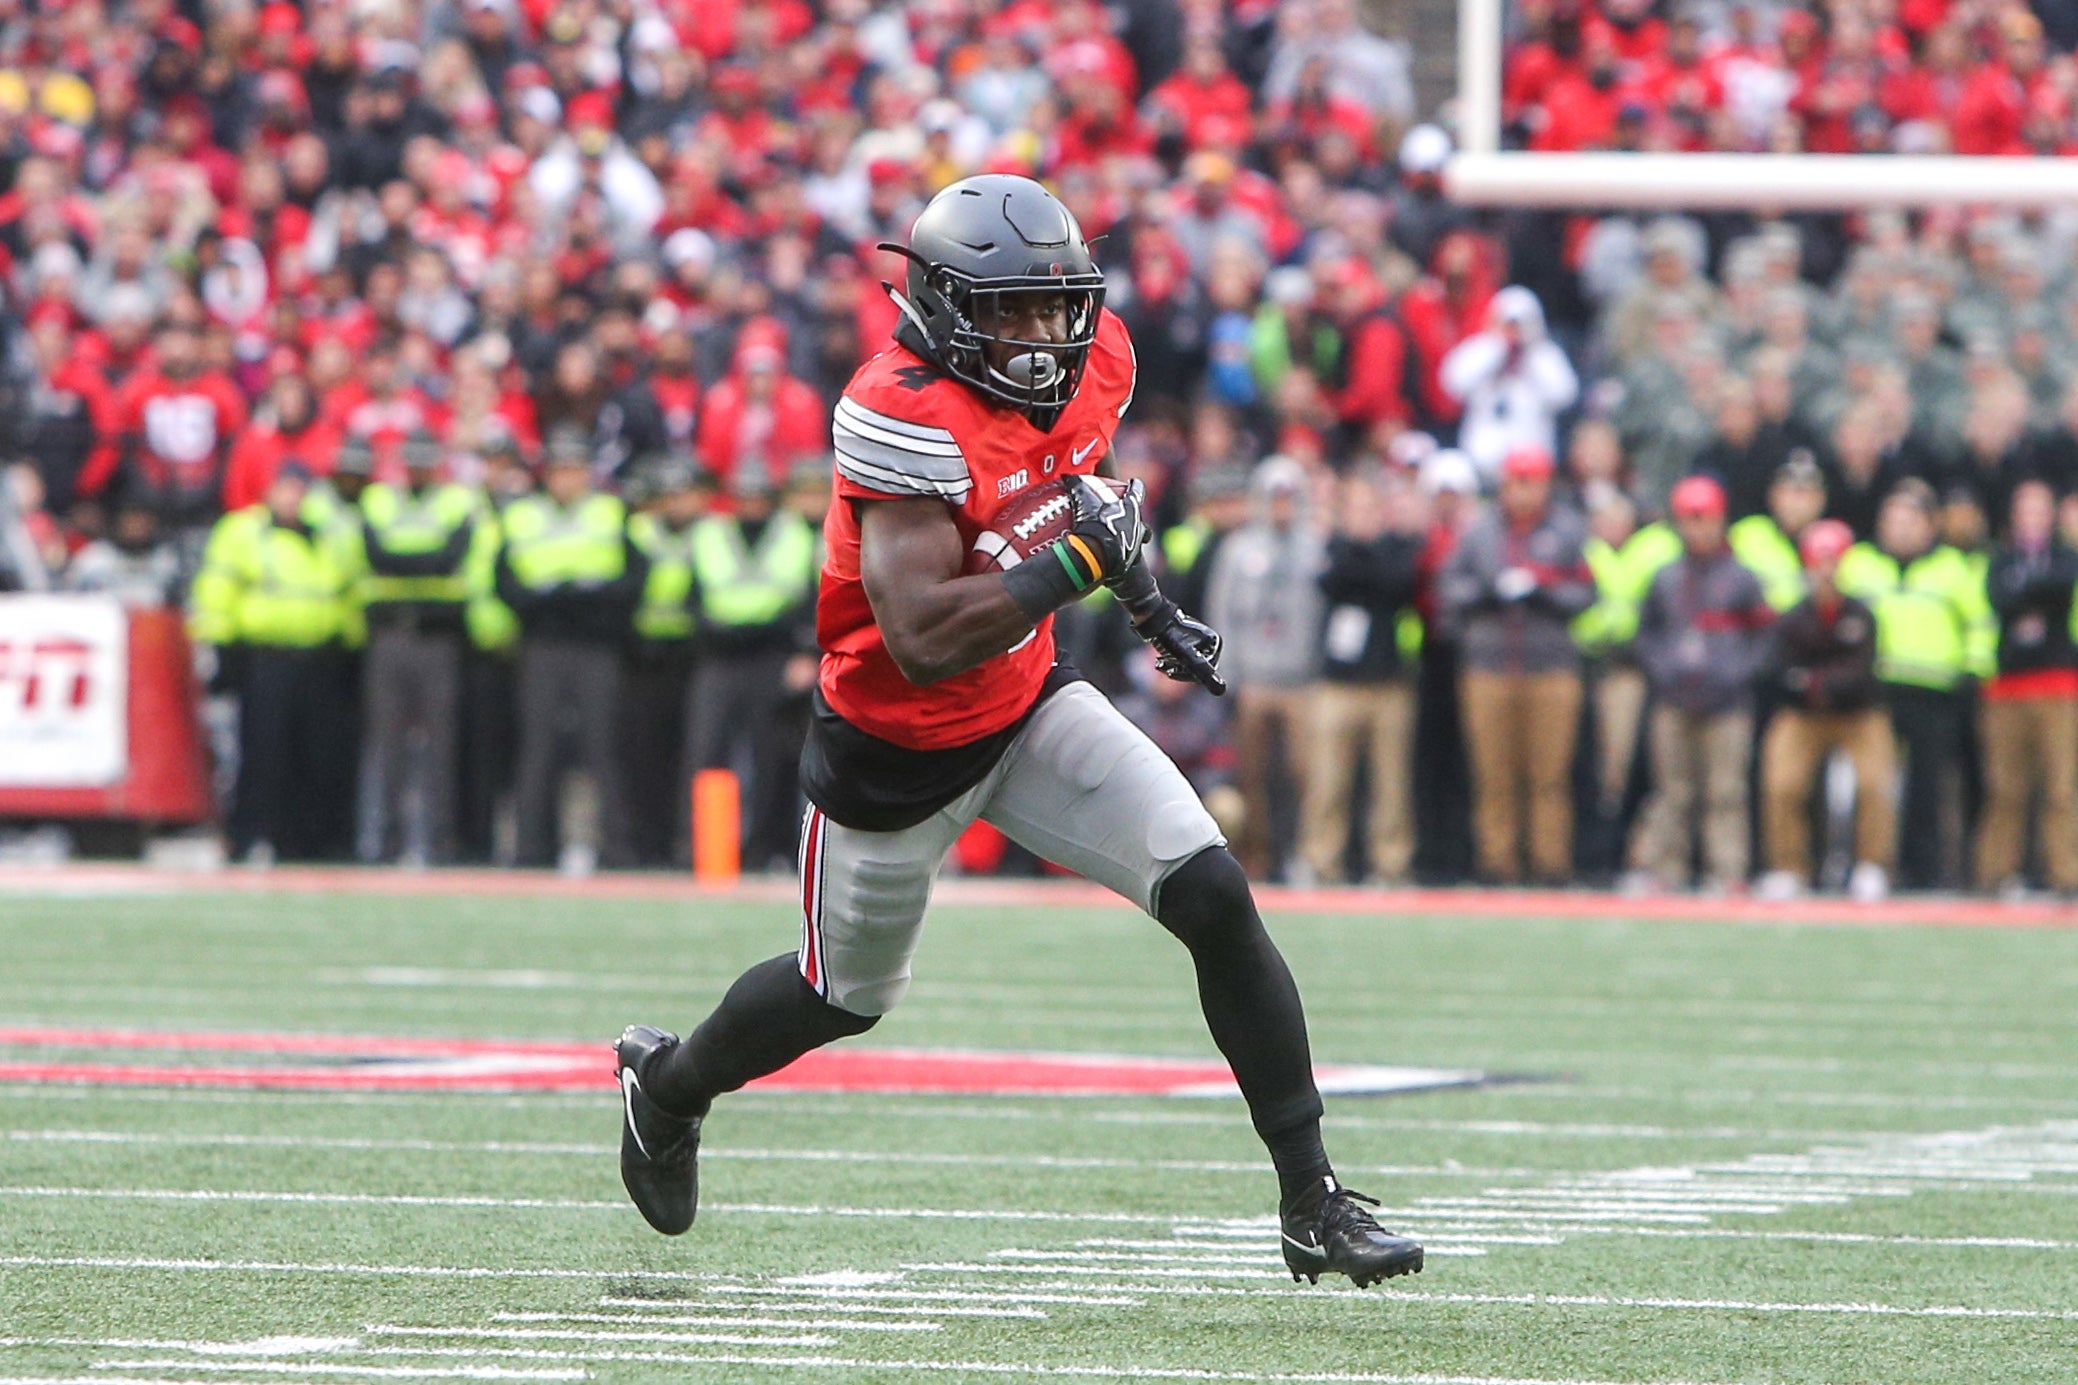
column 658, row 1150
column 1335, row 1236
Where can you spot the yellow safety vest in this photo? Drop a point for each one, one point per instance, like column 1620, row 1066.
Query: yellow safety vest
column 1622, row 578
column 264, row 584
column 493, row 627
column 1934, row 622
column 338, row 527
column 740, row 586
column 664, row 614
column 412, row 524
column 1182, row 544
column 547, row 545
column 1759, row 543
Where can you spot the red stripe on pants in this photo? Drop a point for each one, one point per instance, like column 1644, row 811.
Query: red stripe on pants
column 811, row 870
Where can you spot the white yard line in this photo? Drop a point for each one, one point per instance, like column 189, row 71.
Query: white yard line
column 921, row 1296
column 326, row 1368
column 813, row 1156
column 979, row 1368
column 150, row 1380
column 1839, row 1238
column 551, row 1334
column 110, row 1262
column 213, row 1195
column 323, row 1199
column 730, row 1316
column 1414, row 1295
column 1048, row 1371
column 1126, row 1259
column 663, row 1310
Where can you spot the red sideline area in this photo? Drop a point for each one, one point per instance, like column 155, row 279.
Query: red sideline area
column 382, row 1063
column 1916, row 911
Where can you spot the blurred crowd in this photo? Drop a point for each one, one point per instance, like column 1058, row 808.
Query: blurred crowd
column 464, row 367
column 1852, row 77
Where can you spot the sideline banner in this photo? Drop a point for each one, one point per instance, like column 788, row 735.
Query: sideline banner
column 64, row 692
column 99, row 713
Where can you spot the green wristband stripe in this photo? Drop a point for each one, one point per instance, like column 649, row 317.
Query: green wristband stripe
column 1060, row 551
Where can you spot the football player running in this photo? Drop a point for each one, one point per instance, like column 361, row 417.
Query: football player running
column 940, row 701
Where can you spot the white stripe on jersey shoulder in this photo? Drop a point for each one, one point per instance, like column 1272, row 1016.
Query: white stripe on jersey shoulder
column 929, row 457
column 896, row 456
column 921, row 432
column 933, row 471
column 891, row 481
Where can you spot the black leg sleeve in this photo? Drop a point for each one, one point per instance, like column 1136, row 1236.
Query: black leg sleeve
column 769, row 1018
column 1251, row 1006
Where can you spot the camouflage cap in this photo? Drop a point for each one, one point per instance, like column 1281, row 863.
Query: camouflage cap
column 422, row 450
column 811, row 470
column 355, row 457
column 566, row 445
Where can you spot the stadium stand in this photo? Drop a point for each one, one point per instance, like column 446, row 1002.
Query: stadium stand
column 236, row 236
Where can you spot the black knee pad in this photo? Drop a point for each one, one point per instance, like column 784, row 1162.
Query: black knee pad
column 1207, row 899
column 826, row 1018
column 845, row 1022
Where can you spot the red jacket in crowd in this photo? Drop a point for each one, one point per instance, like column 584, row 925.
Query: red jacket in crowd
column 1994, row 109
column 1446, row 307
column 1375, row 362
column 177, row 432
column 743, row 420
column 259, row 454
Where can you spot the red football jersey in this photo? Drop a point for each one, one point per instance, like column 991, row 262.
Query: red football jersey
column 904, row 430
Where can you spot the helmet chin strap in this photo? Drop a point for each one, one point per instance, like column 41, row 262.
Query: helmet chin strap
column 907, row 309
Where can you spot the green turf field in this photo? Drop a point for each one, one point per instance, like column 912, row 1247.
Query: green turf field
column 1750, row 1153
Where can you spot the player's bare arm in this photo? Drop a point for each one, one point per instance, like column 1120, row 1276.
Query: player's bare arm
column 935, row 622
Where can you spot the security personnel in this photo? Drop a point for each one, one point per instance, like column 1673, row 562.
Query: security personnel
column 810, row 486
column 333, row 506
column 571, row 573
column 675, row 492
column 1623, row 559
column 417, row 538
column 333, row 512
column 1219, row 506
column 490, row 678
column 754, row 579
column 1935, row 638
column 1767, row 543
column 2030, row 713
column 273, row 600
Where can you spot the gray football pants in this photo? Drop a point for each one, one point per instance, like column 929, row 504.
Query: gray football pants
column 1080, row 786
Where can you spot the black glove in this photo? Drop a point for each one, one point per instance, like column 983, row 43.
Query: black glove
column 1186, row 650
column 1103, row 541
column 1112, row 529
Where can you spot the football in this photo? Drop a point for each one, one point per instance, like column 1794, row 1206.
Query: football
column 1029, row 521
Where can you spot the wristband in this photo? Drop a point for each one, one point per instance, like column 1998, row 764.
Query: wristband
column 1049, row 580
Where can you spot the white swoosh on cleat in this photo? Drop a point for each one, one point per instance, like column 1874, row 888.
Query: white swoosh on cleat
column 1317, row 1252
column 629, row 1086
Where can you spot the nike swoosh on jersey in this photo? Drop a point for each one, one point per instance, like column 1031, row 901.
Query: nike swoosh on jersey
column 1075, row 457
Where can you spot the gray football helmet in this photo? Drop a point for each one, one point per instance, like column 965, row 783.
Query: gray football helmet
column 986, row 236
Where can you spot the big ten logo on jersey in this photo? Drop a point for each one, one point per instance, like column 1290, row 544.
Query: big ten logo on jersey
column 1015, row 481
